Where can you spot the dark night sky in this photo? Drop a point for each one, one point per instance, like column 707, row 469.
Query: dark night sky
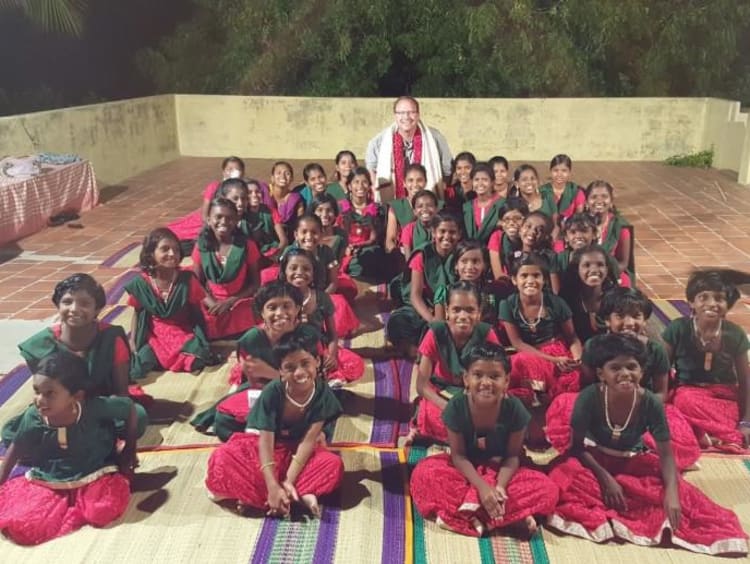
column 100, row 65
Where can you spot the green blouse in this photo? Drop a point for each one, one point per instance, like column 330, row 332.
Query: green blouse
column 513, row 417
column 268, row 410
column 556, row 312
column 689, row 358
column 90, row 441
column 590, row 420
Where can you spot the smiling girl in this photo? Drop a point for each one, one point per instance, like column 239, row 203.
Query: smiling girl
column 483, row 212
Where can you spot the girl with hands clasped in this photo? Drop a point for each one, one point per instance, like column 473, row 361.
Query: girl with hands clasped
column 280, row 460
column 611, row 486
column 77, row 476
column 480, row 486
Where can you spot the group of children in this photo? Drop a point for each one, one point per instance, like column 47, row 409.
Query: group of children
column 516, row 301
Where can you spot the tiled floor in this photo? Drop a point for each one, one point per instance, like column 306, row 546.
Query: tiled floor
column 683, row 218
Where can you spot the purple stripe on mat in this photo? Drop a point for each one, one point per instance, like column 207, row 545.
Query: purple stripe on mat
column 661, row 315
column 405, row 368
column 117, row 310
column 115, row 292
column 119, row 254
column 394, row 508
column 325, row 549
column 682, row 306
column 382, row 427
column 264, row 542
column 13, row 381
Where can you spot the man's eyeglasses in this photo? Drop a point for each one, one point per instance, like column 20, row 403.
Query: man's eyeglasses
column 407, row 113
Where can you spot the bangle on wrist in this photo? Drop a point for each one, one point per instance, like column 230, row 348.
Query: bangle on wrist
column 267, row 464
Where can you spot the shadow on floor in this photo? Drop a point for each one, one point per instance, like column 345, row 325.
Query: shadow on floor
column 9, row 252
column 110, row 192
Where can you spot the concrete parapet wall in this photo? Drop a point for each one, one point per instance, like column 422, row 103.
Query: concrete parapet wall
column 121, row 138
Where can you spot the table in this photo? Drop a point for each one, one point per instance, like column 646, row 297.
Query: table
column 26, row 204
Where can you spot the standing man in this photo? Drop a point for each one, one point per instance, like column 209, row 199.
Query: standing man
column 402, row 143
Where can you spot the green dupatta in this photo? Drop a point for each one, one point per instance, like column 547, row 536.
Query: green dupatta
column 421, row 236
column 259, row 226
column 337, row 191
column 489, row 223
column 236, row 259
column 616, row 225
column 99, row 357
column 438, row 272
column 402, row 210
column 566, row 198
column 456, row 360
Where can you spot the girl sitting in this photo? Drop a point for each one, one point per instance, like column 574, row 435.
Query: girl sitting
column 709, row 354
column 341, row 365
column 334, row 237
column 526, row 180
column 261, row 223
column 501, row 168
column 226, row 263
column 444, row 352
column 166, row 332
column 540, row 328
column 505, row 242
column 610, row 487
column 288, row 204
column 483, row 212
column 584, row 284
column 429, row 270
column 626, row 311
column 480, row 485
column 76, row 476
column 417, row 233
column 536, row 237
column 363, row 222
column 568, row 196
column 614, row 236
column 79, row 299
column 460, row 191
column 346, row 162
column 472, row 265
column 401, row 210
column 280, row 459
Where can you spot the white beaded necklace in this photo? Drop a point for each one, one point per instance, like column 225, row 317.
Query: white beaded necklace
column 532, row 325
column 617, row 430
column 294, row 402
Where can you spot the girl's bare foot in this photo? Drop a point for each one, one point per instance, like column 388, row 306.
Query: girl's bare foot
column 531, row 525
column 411, row 436
column 311, row 502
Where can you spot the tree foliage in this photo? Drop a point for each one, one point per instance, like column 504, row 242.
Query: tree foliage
column 443, row 48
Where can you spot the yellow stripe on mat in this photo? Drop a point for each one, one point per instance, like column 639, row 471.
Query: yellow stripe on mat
column 725, row 480
column 355, row 426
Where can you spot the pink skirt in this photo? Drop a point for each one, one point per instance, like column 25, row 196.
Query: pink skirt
column 350, row 367
column 684, row 444
column 705, row 527
column 440, row 491
column 31, row 513
column 531, row 373
column 230, row 323
column 346, row 320
column 234, row 470
column 429, row 421
column 712, row 410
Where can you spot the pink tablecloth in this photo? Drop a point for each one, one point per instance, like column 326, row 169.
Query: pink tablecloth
column 26, row 205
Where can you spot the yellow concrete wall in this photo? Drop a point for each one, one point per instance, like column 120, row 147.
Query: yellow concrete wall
column 520, row 129
column 121, row 138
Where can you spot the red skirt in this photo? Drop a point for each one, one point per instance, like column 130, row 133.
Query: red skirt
column 230, row 323
column 684, row 444
column 712, row 411
column 188, row 227
column 269, row 274
column 429, row 421
column 350, row 367
column 440, row 491
column 530, row 373
column 705, row 527
column 346, row 320
column 347, row 287
column 166, row 339
column 234, row 470
column 31, row 513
